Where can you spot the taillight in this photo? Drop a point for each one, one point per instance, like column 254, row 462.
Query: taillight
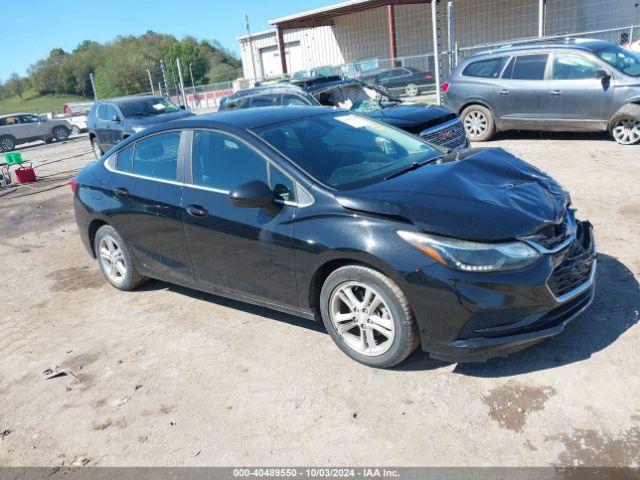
column 428, row 76
column 74, row 185
column 445, row 87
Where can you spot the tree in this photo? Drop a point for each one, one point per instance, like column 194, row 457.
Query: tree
column 16, row 85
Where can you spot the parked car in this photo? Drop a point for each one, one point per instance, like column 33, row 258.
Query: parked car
column 401, row 80
column 18, row 128
column 78, row 122
column 573, row 85
column 111, row 121
column 391, row 241
column 432, row 123
column 81, row 108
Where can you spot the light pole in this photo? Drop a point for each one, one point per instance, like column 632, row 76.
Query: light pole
column 253, row 61
column 193, row 85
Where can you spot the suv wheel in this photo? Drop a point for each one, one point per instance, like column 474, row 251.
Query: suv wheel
column 75, row 130
column 368, row 316
column 61, row 134
column 411, row 90
column 478, row 122
column 115, row 260
column 97, row 151
column 625, row 125
column 7, row 143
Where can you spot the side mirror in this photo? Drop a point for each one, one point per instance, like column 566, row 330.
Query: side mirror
column 256, row 194
column 116, row 119
column 602, row 74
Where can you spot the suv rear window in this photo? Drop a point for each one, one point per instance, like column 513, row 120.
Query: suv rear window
column 489, row 68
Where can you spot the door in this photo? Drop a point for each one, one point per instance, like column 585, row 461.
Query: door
column 520, row 96
column 31, row 126
column 243, row 250
column 108, row 126
column 146, row 206
column 576, row 96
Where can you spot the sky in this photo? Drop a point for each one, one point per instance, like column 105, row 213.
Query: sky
column 37, row 26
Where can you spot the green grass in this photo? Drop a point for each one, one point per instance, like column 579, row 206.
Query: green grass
column 34, row 103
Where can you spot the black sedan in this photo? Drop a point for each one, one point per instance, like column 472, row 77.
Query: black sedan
column 401, row 80
column 391, row 241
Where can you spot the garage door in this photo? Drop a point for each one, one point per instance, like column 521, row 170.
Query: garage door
column 270, row 58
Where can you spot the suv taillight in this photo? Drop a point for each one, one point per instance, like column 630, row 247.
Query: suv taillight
column 74, row 185
column 445, row 87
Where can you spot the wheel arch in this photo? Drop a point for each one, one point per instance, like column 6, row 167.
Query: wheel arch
column 92, row 229
column 475, row 101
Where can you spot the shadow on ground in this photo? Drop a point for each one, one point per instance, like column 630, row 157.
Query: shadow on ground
column 531, row 135
column 614, row 310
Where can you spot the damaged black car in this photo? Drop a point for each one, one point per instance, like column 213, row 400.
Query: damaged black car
column 391, row 241
column 432, row 123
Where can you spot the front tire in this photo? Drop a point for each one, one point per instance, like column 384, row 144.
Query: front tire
column 95, row 146
column 478, row 122
column 115, row 260
column 625, row 125
column 60, row 134
column 368, row 316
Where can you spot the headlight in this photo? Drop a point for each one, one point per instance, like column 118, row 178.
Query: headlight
column 138, row 129
column 473, row 256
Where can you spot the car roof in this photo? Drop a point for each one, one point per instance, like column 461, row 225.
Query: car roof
column 586, row 44
column 129, row 98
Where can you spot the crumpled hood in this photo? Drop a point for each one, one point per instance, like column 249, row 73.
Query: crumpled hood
column 407, row 116
column 485, row 195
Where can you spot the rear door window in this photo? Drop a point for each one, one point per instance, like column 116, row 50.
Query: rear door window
column 527, row 67
column 157, row 156
column 489, row 68
column 290, row 99
column 264, row 101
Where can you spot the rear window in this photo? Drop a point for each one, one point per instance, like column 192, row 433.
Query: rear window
column 489, row 68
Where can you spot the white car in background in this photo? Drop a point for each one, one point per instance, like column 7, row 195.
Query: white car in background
column 78, row 122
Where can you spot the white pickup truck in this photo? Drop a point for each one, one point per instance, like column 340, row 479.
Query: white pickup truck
column 78, row 122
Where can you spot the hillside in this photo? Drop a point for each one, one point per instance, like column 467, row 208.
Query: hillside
column 34, row 103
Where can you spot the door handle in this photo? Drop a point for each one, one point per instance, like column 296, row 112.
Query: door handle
column 555, row 93
column 196, row 211
column 504, row 91
column 121, row 192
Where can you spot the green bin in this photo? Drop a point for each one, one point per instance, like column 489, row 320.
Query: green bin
column 13, row 158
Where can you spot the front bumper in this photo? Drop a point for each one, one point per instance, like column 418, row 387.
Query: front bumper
column 469, row 317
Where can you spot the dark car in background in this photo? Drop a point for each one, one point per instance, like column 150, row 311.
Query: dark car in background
column 432, row 123
column 573, row 85
column 401, row 80
column 111, row 121
column 391, row 241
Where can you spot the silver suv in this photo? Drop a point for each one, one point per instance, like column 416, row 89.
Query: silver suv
column 25, row 127
column 569, row 85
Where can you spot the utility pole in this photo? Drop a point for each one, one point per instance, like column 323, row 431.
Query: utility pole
column 253, row 61
column 193, row 85
column 436, row 51
column 184, row 97
column 150, row 81
column 93, row 86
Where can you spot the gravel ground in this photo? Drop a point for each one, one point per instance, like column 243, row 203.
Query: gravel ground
column 169, row 376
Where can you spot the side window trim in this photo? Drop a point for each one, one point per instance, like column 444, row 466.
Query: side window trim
column 112, row 165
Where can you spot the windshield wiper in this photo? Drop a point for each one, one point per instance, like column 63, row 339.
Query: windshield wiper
column 412, row 166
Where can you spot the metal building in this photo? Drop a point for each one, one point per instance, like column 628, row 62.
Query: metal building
column 385, row 33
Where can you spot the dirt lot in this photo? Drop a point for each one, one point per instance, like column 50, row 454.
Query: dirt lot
column 169, row 376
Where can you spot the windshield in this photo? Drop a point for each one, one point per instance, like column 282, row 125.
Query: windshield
column 345, row 151
column 626, row 61
column 147, row 106
column 355, row 98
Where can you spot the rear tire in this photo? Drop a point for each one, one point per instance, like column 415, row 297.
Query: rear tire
column 478, row 122
column 368, row 316
column 7, row 143
column 75, row 130
column 115, row 261
column 61, row 134
column 625, row 125
column 95, row 146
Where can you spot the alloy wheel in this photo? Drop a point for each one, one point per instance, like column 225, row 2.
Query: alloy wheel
column 475, row 123
column 6, row 144
column 411, row 90
column 112, row 259
column 626, row 131
column 61, row 133
column 362, row 318
column 75, row 130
